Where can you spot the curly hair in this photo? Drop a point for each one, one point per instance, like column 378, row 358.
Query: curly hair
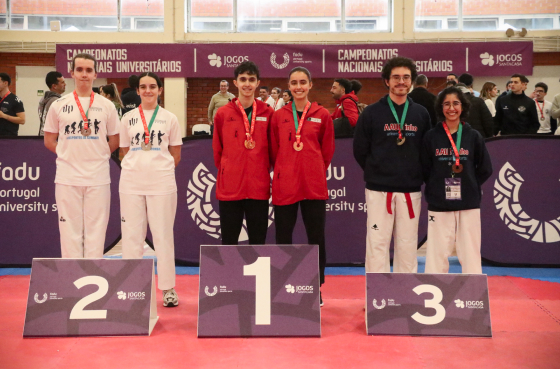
column 398, row 61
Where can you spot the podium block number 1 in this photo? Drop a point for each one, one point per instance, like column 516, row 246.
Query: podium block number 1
column 78, row 311
column 261, row 270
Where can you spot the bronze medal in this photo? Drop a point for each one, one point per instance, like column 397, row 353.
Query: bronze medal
column 542, row 118
column 457, row 168
column 250, row 145
column 146, row 146
column 298, row 147
column 85, row 132
column 400, row 141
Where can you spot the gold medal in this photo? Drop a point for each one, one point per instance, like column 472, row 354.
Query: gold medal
column 400, row 141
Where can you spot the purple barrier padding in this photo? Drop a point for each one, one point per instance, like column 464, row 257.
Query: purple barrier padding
column 323, row 61
column 28, row 213
column 520, row 207
column 119, row 294
column 428, row 305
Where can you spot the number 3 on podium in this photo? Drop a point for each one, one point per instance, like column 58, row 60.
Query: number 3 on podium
column 261, row 270
column 433, row 303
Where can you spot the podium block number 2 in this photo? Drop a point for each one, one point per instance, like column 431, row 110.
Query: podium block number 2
column 261, row 270
column 78, row 311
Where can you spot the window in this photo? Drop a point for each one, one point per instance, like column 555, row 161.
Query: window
column 287, row 16
column 488, row 15
column 101, row 15
column 3, row 14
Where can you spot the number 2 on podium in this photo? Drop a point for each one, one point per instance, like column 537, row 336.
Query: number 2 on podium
column 261, row 270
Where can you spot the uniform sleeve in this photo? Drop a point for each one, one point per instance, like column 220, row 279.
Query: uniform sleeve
column 217, row 141
column 112, row 121
column 553, row 125
column 18, row 106
column 534, row 118
column 268, row 136
column 124, row 139
column 499, row 116
column 175, row 136
column 486, row 119
column 274, row 142
column 362, row 140
column 426, row 156
column 555, row 112
column 51, row 122
column 327, row 142
column 482, row 160
column 350, row 111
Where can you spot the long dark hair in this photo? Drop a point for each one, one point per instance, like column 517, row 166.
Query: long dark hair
column 465, row 104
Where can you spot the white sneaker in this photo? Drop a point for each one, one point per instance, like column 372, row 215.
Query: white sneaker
column 170, row 298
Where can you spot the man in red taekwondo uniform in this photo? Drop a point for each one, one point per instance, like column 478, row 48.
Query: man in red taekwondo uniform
column 241, row 154
column 387, row 145
column 346, row 101
column 77, row 129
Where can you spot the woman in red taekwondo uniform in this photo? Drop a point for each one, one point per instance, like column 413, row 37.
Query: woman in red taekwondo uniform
column 455, row 164
column 150, row 139
column 302, row 141
column 241, row 154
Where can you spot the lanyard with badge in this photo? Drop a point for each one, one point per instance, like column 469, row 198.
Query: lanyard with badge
column 86, row 131
column 453, row 185
column 146, row 145
column 541, row 109
column 298, row 145
column 249, row 142
column 400, row 139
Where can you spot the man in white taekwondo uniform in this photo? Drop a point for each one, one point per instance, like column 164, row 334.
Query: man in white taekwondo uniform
column 82, row 128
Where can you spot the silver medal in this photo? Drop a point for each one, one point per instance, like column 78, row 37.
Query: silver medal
column 146, row 146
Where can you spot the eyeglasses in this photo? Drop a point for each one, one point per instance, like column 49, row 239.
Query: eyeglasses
column 448, row 104
column 405, row 78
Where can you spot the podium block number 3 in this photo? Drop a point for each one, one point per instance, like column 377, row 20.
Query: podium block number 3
column 78, row 311
column 261, row 270
column 433, row 303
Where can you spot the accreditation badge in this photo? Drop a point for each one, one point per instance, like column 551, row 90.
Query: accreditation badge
column 453, row 188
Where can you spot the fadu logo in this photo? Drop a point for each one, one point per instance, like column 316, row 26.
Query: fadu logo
column 279, row 66
column 215, row 60
column 20, row 173
column 487, row 59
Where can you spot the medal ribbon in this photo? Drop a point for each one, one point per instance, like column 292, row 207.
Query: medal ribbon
column 84, row 115
column 401, row 123
column 459, row 135
column 542, row 114
column 147, row 128
column 252, row 117
column 299, row 124
column 5, row 96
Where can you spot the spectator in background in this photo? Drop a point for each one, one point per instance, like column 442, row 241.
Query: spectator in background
column 555, row 112
column 345, row 115
column 480, row 117
column 264, row 96
column 544, row 108
column 219, row 99
column 488, row 92
column 12, row 113
column 516, row 113
column 278, row 101
column 422, row 96
column 56, row 84
column 130, row 99
column 111, row 93
column 450, row 83
column 508, row 88
column 468, row 80
column 452, row 77
column 287, row 96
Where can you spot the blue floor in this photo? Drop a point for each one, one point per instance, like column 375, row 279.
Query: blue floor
column 542, row 274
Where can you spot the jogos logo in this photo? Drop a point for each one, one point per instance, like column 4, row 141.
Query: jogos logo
column 469, row 304
column 229, row 61
column 131, row 295
column 502, row 60
column 298, row 289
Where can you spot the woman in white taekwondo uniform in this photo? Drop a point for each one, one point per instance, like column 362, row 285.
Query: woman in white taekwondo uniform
column 151, row 142
column 455, row 164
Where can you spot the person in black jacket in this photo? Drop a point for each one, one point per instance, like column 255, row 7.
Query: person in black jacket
column 455, row 164
column 387, row 144
column 129, row 97
column 480, row 117
column 422, row 96
column 516, row 113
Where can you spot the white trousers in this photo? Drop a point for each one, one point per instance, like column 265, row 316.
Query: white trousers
column 159, row 211
column 83, row 215
column 382, row 225
column 452, row 230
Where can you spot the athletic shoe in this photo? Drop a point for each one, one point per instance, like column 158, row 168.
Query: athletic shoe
column 170, row 298
column 321, row 303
